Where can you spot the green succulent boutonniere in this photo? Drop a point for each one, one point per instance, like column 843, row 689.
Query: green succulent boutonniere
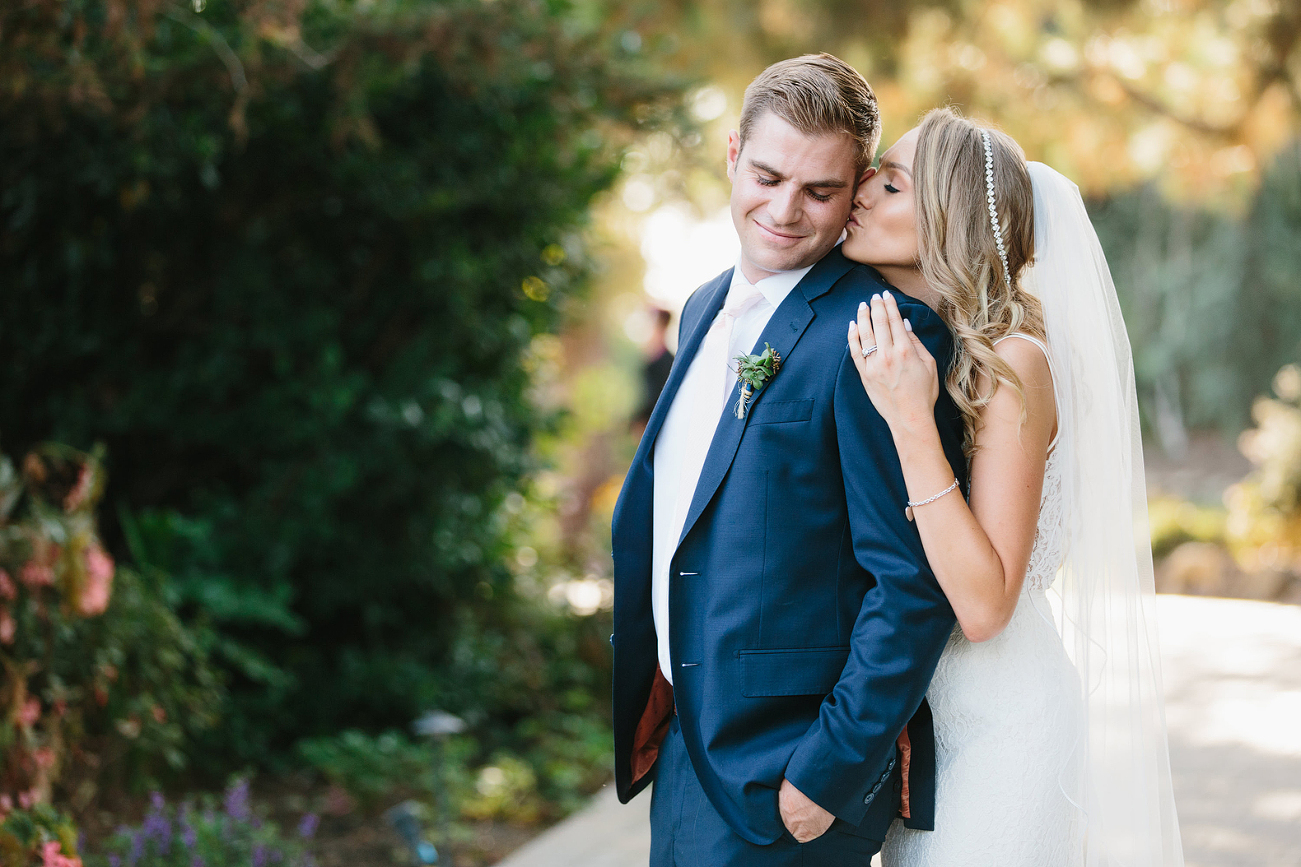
column 753, row 371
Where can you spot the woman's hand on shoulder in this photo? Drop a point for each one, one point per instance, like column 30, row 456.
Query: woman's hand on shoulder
column 899, row 375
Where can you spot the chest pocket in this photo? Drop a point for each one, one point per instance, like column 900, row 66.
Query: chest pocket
column 782, row 411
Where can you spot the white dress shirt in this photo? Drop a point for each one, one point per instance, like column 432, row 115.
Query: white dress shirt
column 671, row 443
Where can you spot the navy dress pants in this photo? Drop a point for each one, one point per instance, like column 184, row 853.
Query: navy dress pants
column 686, row 830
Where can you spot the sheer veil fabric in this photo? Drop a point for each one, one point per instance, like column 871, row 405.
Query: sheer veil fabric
column 1106, row 586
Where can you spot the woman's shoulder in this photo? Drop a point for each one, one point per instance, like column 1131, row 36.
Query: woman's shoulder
column 1028, row 357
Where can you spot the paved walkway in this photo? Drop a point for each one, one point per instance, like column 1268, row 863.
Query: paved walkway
column 1232, row 673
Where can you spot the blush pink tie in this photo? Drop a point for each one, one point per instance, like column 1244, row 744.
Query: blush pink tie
column 716, row 380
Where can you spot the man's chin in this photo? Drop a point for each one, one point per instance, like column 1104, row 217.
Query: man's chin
column 773, row 262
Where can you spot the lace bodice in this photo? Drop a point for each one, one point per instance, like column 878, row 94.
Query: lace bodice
column 1050, row 533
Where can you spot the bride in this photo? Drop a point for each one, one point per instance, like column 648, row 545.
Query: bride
column 1049, row 729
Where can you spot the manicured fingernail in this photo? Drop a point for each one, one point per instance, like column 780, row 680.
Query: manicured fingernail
column 907, row 325
column 876, row 297
column 853, row 326
column 862, row 305
column 887, row 294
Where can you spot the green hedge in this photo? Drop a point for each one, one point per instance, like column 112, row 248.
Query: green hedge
column 286, row 266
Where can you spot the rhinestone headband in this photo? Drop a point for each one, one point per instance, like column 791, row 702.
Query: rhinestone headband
column 993, row 211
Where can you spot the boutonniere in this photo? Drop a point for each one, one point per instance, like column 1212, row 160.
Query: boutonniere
column 753, row 371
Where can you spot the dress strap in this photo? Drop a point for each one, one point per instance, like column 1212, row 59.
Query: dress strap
column 1052, row 372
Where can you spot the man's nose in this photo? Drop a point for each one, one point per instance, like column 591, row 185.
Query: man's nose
column 784, row 206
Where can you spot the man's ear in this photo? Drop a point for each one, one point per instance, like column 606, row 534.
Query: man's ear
column 733, row 154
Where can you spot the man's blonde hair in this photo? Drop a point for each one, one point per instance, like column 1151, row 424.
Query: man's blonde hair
column 817, row 94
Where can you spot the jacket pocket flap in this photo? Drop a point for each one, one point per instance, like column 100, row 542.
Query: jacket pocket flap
column 794, row 671
column 779, row 411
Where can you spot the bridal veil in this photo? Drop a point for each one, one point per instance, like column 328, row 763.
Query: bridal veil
column 1106, row 582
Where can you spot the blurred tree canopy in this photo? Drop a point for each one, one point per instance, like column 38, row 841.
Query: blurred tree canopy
column 1111, row 92
column 286, row 260
column 1179, row 119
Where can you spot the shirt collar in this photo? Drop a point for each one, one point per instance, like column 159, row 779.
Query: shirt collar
column 774, row 289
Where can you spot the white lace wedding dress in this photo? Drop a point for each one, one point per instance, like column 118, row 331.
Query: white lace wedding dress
column 1007, row 720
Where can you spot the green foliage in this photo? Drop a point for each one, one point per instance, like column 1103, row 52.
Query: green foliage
column 286, row 261
column 227, row 835
column 100, row 679
column 1174, row 521
column 1265, row 508
column 39, row 837
column 1210, row 300
column 375, row 770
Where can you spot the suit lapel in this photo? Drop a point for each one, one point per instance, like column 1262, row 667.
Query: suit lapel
column 783, row 332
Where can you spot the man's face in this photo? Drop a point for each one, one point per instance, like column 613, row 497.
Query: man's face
column 791, row 194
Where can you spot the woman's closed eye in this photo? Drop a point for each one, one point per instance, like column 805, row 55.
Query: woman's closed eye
column 891, row 188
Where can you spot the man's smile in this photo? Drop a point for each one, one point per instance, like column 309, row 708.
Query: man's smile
column 780, row 236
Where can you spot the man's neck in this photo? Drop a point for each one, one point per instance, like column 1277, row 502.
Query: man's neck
column 752, row 273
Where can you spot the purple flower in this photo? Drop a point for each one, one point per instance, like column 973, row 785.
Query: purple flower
column 137, row 849
column 197, row 862
column 114, row 861
column 158, row 827
column 237, row 800
column 188, row 835
column 307, row 826
column 259, row 856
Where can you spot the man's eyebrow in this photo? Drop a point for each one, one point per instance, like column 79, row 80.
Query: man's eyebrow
column 833, row 183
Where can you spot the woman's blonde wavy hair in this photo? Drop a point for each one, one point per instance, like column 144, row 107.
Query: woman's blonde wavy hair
column 959, row 257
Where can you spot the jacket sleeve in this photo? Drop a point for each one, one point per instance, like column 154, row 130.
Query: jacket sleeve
column 847, row 755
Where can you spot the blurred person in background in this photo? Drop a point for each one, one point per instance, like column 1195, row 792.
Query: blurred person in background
column 656, row 364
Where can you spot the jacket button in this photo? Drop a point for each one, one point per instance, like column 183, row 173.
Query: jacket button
column 876, row 787
column 612, row 639
column 868, row 799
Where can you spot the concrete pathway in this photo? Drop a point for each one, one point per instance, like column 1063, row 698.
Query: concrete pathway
column 1232, row 672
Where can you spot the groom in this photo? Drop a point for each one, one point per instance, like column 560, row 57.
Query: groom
column 776, row 623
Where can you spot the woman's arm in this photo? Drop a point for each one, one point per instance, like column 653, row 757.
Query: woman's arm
column 978, row 551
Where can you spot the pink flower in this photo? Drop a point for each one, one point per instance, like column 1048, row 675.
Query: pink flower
column 81, row 490
column 27, row 800
column 7, row 588
column 44, row 758
column 8, row 626
column 99, row 582
column 30, row 713
column 53, row 856
column 36, row 575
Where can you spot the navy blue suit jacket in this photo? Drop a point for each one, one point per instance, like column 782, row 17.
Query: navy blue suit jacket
column 805, row 622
